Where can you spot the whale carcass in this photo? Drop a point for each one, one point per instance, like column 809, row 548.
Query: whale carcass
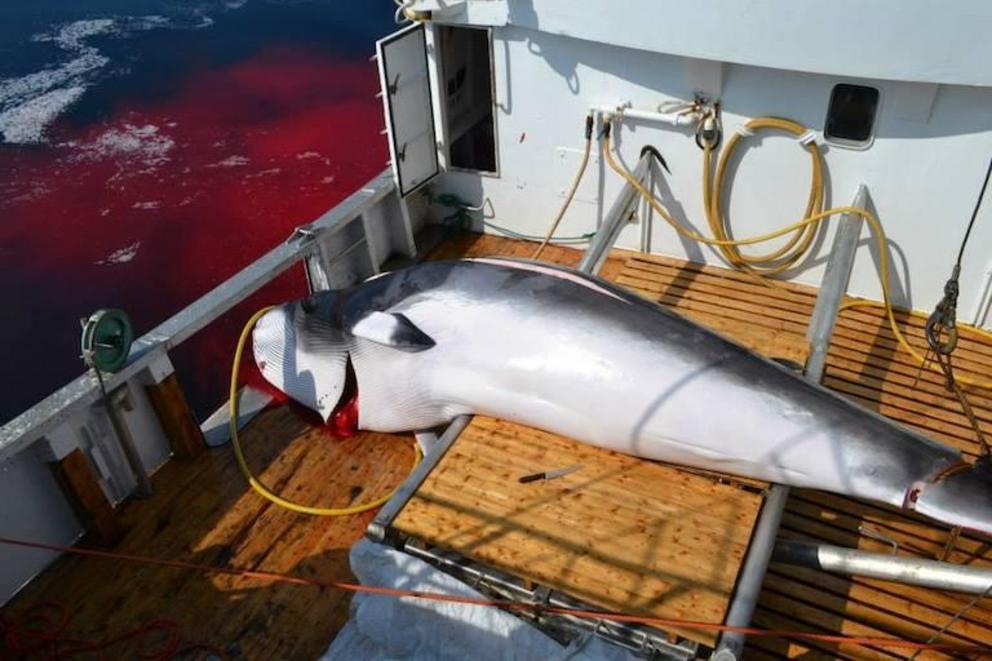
column 572, row 354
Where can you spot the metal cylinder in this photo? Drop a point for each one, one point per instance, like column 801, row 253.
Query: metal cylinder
column 902, row 569
column 618, row 215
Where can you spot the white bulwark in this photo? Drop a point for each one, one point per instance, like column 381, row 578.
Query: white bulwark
column 912, row 120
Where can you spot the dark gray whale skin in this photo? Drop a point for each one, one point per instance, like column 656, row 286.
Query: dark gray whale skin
column 570, row 353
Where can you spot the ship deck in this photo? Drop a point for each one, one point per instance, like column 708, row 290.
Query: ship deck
column 671, row 545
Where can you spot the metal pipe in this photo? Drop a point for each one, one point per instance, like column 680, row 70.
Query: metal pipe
column 752, row 575
column 619, row 215
column 902, row 569
column 679, row 118
column 835, row 280
column 731, row 645
column 379, row 529
column 644, row 641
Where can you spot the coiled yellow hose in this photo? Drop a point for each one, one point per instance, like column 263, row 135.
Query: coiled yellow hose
column 260, row 488
column 803, row 230
column 798, row 245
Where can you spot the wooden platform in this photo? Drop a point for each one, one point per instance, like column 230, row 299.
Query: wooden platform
column 619, row 533
column 203, row 512
column 864, row 365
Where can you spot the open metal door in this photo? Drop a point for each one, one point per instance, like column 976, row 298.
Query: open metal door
column 406, row 98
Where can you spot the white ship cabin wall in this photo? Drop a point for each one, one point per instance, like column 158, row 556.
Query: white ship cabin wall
column 550, row 61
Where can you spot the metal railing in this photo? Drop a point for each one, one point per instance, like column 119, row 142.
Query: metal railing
column 73, row 398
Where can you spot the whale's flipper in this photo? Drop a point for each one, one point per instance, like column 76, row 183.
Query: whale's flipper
column 392, row 330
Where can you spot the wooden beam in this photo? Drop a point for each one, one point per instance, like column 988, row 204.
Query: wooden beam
column 176, row 418
column 83, row 489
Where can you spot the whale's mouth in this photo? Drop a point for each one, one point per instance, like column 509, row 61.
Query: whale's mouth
column 343, row 420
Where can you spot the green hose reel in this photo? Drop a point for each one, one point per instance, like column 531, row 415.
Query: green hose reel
column 106, row 341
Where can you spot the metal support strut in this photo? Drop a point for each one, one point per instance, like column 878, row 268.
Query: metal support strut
column 731, row 645
column 618, row 215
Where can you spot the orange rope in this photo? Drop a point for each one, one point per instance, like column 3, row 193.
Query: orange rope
column 505, row 604
column 40, row 633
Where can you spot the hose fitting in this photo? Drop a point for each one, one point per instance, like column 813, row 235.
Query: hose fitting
column 708, row 135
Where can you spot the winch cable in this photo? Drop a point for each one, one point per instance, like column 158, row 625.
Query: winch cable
column 794, row 229
column 944, row 320
column 571, row 191
column 505, row 604
column 255, row 484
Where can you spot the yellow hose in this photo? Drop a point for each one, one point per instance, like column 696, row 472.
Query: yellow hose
column 568, row 199
column 798, row 228
column 260, row 488
column 796, row 247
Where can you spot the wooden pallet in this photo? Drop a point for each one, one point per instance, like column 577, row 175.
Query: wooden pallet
column 620, row 533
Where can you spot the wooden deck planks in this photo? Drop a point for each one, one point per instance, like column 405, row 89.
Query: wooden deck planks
column 865, row 365
column 620, row 533
column 202, row 511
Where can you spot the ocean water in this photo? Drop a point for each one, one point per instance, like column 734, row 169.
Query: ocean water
column 152, row 148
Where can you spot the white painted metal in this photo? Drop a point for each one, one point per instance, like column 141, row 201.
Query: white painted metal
column 624, row 111
column 70, row 419
column 913, row 40
column 924, row 168
column 406, row 98
column 32, row 508
column 217, row 427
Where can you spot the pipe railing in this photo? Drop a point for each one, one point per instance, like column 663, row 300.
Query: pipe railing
column 75, row 396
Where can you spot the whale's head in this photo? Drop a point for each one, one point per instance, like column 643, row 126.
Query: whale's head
column 304, row 349
column 302, row 353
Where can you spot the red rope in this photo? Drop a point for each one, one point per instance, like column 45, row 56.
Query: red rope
column 894, row 643
column 40, row 632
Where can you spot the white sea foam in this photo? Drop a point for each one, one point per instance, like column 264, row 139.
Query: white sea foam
column 29, row 103
column 121, row 256
column 70, row 36
column 230, row 162
column 26, row 122
column 144, row 143
column 147, row 206
column 263, row 173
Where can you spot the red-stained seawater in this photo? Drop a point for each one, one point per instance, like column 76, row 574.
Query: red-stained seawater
column 155, row 204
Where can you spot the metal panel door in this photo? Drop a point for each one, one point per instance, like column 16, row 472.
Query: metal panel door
column 406, row 97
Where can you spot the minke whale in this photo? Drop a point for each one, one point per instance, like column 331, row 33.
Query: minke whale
column 554, row 348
